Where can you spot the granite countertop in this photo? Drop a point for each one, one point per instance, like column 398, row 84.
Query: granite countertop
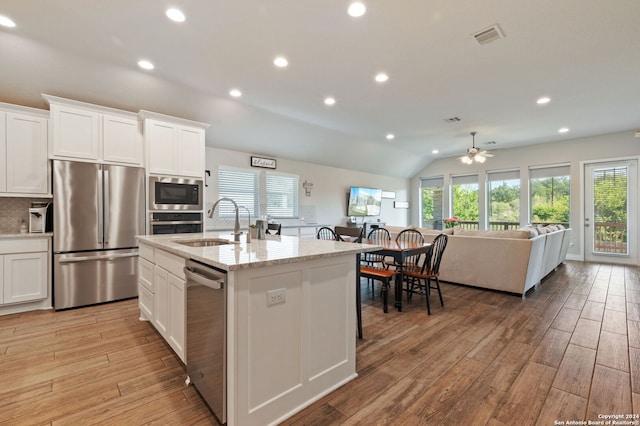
column 27, row 235
column 287, row 225
column 274, row 250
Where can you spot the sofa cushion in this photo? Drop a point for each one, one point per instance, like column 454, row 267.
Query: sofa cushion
column 492, row 234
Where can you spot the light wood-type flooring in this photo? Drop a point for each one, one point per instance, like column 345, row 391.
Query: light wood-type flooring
column 569, row 351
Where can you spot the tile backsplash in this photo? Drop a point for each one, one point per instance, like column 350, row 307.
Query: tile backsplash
column 13, row 211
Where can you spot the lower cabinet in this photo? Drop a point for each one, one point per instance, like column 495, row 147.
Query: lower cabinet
column 161, row 286
column 24, row 270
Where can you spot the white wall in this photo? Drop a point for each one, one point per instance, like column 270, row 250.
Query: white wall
column 328, row 198
column 573, row 152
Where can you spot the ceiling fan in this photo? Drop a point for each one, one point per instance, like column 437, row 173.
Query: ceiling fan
column 475, row 154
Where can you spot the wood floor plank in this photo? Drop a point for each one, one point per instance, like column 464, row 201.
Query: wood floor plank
column 614, row 321
column 634, row 363
column 613, row 351
column 616, row 303
column 561, row 406
column 566, row 320
column 526, row 397
column 592, row 310
column 575, row 371
column 551, row 349
column 586, row 333
column 610, row 393
column 633, row 311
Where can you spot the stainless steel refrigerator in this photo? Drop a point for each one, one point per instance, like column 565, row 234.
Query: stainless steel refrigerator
column 98, row 210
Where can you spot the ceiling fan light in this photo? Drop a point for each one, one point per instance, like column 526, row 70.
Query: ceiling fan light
column 466, row 159
column 480, row 159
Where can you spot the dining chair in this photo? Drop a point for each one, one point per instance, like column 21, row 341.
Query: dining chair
column 326, row 233
column 356, row 233
column 430, row 270
column 385, row 276
column 408, row 235
column 274, row 228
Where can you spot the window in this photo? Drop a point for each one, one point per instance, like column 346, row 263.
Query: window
column 503, row 195
column 550, row 189
column 432, row 202
column 239, row 185
column 282, row 195
column 464, row 200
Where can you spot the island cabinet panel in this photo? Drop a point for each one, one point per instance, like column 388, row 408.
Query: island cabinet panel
column 285, row 355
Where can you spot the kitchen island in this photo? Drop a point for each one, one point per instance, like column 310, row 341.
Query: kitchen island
column 282, row 353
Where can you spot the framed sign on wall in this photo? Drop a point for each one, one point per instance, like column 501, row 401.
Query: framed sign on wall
column 266, row 163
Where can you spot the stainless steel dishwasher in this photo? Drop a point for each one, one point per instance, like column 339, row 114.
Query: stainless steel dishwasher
column 207, row 334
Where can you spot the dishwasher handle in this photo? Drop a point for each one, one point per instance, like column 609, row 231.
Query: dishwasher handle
column 213, row 283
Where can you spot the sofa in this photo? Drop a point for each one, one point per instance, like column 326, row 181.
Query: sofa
column 510, row 261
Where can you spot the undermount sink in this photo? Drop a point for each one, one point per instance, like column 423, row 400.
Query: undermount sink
column 203, row 242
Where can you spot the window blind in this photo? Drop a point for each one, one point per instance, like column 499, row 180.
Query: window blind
column 464, row 179
column 432, row 182
column 282, row 195
column 547, row 172
column 506, row 175
column 239, row 185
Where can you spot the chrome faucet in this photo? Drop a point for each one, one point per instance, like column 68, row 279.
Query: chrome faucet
column 236, row 226
column 248, row 223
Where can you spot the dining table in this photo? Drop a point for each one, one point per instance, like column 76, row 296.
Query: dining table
column 400, row 251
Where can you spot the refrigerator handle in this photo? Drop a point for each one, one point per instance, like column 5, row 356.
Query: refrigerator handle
column 100, row 207
column 107, row 207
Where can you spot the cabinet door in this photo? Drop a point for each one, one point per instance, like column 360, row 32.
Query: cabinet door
column 26, row 138
column 145, row 302
column 121, row 142
column 163, row 153
column 161, row 301
column 177, row 314
column 3, row 152
column 75, row 132
column 190, row 152
column 25, row 277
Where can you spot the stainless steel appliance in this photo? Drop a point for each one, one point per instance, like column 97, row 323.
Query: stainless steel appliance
column 174, row 223
column 168, row 193
column 207, row 334
column 98, row 210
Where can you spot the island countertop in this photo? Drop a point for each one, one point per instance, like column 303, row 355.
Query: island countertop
column 276, row 249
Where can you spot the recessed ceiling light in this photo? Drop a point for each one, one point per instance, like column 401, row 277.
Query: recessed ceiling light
column 7, row 22
column 235, row 93
column 543, row 100
column 563, row 130
column 390, row 136
column 329, row 101
column 381, row 77
column 175, row 15
column 435, row 151
column 357, row 9
column 280, row 62
column 144, row 64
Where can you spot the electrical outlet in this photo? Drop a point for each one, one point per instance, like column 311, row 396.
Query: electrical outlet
column 276, row 296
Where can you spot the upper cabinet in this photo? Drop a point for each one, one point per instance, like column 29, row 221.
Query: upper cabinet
column 24, row 168
column 174, row 146
column 93, row 133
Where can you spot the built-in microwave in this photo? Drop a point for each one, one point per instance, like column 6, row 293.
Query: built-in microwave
column 169, row 193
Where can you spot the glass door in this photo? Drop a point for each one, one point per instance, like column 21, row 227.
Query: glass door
column 610, row 212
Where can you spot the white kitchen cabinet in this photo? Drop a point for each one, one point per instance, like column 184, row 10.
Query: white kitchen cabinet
column 93, row 133
column 24, row 270
column 24, row 168
column 161, row 295
column 174, row 146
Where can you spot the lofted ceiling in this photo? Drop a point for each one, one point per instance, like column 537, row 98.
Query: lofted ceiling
column 583, row 54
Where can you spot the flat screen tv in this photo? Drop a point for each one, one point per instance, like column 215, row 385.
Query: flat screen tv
column 364, row 201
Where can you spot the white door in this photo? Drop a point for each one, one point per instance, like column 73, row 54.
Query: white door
column 610, row 212
column 25, row 277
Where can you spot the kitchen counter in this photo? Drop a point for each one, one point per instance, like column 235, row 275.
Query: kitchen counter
column 276, row 249
column 27, row 235
column 282, row 353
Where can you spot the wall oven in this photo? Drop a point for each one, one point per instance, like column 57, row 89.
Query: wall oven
column 168, row 193
column 174, row 222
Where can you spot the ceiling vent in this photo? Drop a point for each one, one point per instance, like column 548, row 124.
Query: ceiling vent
column 489, row 35
column 452, row 119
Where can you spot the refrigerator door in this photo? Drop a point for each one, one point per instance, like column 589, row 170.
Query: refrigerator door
column 94, row 277
column 124, row 202
column 77, row 216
